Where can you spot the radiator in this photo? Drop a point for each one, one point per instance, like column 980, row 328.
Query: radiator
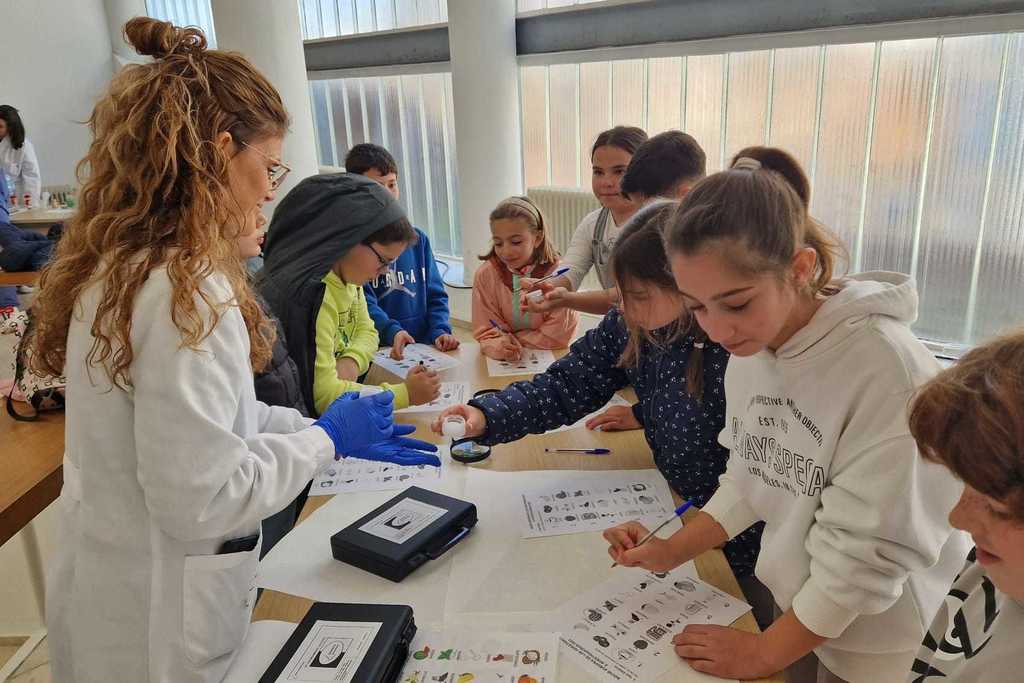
column 563, row 209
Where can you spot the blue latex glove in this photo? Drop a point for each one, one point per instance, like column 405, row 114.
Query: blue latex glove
column 353, row 422
column 399, row 450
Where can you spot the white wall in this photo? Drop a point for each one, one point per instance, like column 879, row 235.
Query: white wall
column 56, row 61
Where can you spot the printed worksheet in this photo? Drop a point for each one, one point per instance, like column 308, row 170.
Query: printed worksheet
column 616, row 400
column 577, row 504
column 622, row 629
column 332, row 651
column 355, row 474
column 532, row 362
column 452, row 394
column 467, row 657
column 413, row 355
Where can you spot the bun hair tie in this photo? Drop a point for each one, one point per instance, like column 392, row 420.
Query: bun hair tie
column 746, row 164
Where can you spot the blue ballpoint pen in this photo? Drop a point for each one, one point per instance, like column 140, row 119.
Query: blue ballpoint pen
column 584, row 451
column 678, row 513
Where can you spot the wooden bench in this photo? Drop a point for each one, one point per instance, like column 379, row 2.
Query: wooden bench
column 20, row 277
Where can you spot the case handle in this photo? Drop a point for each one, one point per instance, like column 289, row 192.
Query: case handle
column 434, row 554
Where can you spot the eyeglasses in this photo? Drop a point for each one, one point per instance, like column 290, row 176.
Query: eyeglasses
column 276, row 173
column 384, row 263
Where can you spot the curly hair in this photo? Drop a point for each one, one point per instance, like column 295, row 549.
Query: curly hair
column 155, row 193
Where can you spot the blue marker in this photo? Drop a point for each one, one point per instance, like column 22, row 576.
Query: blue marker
column 558, row 273
column 584, row 451
column 678, row 513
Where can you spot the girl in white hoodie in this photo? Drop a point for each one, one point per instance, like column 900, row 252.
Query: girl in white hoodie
column 856, row 548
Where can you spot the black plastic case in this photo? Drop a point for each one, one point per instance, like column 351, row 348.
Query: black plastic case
column 387, row 654
column 396, row 560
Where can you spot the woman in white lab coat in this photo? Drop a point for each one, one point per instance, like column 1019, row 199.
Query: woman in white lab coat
column 171, row 462
column 18, row 157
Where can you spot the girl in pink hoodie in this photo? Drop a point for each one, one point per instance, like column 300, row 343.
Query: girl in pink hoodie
column 519, row 249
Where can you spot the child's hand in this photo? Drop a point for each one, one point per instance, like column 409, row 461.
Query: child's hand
column 725, row 652
column 527, row 284
column 510, row 348
column 423, row 385
column 348, row 369
column 446, row 342
column 554, row 299
column 476, row 421
column 615, row 419
column 655, row 555
column 398, row 345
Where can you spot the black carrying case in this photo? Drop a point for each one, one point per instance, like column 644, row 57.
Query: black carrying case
column 387, row 654
column 395, row 559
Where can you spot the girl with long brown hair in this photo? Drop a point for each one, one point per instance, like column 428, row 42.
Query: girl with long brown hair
column 856, row 549
column 171, row 462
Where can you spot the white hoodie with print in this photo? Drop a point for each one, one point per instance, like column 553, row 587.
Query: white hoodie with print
column 856, row 539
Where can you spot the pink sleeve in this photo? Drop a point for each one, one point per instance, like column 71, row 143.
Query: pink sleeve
column 485, row 309
column 555, row 331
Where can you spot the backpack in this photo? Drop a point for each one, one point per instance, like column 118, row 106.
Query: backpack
column 39, row 391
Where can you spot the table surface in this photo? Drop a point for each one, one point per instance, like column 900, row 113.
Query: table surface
column 30, row 459
column 35, row 216
column 629, row 451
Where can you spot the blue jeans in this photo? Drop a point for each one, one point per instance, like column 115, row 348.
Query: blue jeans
column 8, row 296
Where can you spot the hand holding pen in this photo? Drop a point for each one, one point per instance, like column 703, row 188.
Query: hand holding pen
column 632, row 545
column 511, row 348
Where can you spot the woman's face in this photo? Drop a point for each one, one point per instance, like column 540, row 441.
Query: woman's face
column 609, row 164
column 250, row 242
column 3, row 129
column 514, row 242
column 249, row 172
column 650, row 307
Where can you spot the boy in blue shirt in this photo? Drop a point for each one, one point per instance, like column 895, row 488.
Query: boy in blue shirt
column 408, row 303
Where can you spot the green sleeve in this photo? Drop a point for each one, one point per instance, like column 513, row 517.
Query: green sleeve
column 363, row 337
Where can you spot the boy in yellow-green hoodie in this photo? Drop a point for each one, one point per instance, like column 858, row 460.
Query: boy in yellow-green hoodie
column 329, row 236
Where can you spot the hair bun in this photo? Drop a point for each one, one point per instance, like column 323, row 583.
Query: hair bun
column 160, row 39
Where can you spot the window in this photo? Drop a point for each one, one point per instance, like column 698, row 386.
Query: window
column 533, row 5
column 913, row 147
column 185, row 13
column 411, row 116
column 330, row 18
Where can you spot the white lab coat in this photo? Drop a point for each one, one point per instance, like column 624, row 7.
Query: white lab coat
column 22, row 167
column 155, row 480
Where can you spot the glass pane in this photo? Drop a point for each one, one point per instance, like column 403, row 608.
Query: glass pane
column 795, row 102
column 392, row 127
column 371, row 109
column 429, row 11
column 664, row 94
column 628, row 90
column 705, row 90
column 346, row 15
column 322, row 122
column 385, row 13
column 453, row 176
column 329, row 25
column 563, row 91
column 595, row 110
column 415, row 135
column 437, row 165
column 357, row 122
column 747, row 105
column 311, row 19
column 529, row 5
column 842, row 143
column 535, row 134
column 897, row 154
column 965, row 109
column 339, row 112
column 999, row 302
column 406, row 13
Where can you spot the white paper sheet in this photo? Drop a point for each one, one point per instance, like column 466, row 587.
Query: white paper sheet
column 622, row 630
column 462, row 656
column 570, row 502
column 412, row 355
column 500, row 578
column 349, row 475
column 616, row 400
column 532, row 362
column 302, row 564
column 332, row 651
column 452, row 394
column 262, row 643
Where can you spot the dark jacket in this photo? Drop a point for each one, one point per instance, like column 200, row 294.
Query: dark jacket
column 19, row 249
column 317, row 223
column 681, row 431
column 411, row 297
column 278, row 384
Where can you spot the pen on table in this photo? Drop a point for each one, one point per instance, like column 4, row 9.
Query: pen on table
column 678, row 513
column 585, row 451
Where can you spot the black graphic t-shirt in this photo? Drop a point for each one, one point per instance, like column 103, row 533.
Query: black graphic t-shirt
column 976, row 635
